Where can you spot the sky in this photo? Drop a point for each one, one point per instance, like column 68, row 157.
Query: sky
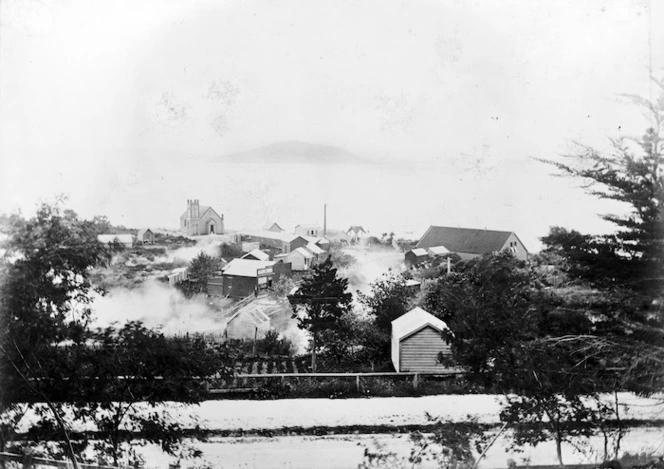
column 123, row 106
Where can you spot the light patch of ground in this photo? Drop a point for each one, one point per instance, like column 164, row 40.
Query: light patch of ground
column 347, row 451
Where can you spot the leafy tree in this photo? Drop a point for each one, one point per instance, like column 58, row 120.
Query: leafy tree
column 201, row 268
column 389, row 298
column 44, row 298
column 320, row 302
column 230, row 251
column 137, row 372
column 46, row 355
column 502, row 322
column 490, row 305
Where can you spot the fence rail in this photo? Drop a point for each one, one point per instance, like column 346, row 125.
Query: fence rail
column 29, row 462
column 415, row 376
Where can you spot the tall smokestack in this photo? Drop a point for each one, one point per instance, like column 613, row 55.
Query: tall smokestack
column 325, row 221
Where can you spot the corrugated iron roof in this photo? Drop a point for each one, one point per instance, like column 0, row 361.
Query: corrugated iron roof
column 258, row 254
column 315, row 249
column 438, row 250
column 245, row 267
column 469, row 240
column 419, row 252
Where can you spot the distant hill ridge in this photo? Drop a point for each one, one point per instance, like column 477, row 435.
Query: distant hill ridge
column 293, row 152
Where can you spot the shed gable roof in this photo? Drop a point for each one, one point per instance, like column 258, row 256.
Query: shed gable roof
column 470, row 240
column 414, row 320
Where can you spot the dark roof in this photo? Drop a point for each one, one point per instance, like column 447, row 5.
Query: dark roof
column 356, row 229
column 467, row 240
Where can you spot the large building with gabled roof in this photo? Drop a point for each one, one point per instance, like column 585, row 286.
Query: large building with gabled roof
column 200, row 220
column 470, row 242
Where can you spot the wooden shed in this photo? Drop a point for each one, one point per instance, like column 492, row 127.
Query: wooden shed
column 145, row 236
column 418, row 339
column 414, row 257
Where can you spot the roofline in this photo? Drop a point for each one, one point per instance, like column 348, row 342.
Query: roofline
column 423, row 236
column 522, row 243
column 208, row 209
column 419, row 329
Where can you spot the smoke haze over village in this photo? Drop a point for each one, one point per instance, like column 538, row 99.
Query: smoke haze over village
column 433, row 113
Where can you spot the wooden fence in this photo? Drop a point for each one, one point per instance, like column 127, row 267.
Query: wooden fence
column 30, row 462
column 449, row 372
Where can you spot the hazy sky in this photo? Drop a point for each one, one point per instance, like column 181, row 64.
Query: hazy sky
column 121, row 104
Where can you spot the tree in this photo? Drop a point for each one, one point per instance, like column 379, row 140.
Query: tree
column 626, row 266
column 501, row 321
column 632, row 173
column 490, row 305
column 320, row 302
column 44, row 298
column 53, row 361
column 389, row 299
column 201, row 268
column 133, row 377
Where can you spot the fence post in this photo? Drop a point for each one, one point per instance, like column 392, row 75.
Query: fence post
column 27, row 461
column 357, row 382
column 415, row 377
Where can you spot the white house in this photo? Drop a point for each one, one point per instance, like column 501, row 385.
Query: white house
column 307, row 230
column 257, row 255
column 300, row 258
column 418, row 339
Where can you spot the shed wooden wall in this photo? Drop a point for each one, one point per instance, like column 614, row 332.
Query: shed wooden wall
column 419, row 352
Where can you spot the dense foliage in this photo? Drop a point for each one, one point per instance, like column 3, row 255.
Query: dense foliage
column 52, row 360
column 320, row 302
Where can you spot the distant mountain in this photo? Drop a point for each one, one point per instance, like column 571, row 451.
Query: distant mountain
column 293, row 152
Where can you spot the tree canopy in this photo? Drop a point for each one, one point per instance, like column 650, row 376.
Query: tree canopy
column 320, row 302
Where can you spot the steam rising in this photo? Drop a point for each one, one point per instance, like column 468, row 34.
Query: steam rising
column 369, row 265
column 159, row 306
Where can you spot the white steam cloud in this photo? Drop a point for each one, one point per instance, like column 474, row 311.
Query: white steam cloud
column 159, row 306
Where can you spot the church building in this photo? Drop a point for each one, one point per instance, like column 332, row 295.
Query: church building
column 200, row 220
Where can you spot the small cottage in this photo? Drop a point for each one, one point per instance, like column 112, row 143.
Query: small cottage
column 355, row 234
column 319, row 254
column 300, row 259
column 418, row 341
column 415, row 257
column 145, row 236
column 257, row 255
column 243, row 277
